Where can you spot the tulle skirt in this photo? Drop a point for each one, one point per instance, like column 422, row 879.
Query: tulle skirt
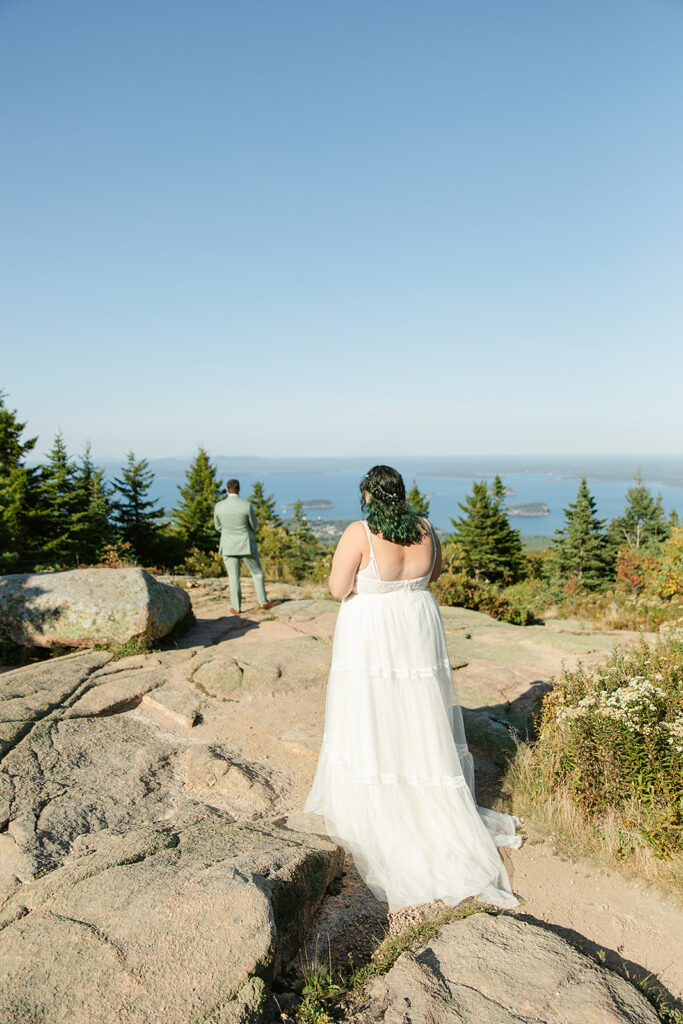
column 395, row 780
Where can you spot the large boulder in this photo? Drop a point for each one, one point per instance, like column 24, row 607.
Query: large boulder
column 183, row 920
column 144, row 873
column 499, row 970
column 84, row 607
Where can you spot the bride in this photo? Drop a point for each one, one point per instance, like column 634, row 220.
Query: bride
column 395, row 779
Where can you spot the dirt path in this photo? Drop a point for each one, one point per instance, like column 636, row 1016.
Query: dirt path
column 504, row 667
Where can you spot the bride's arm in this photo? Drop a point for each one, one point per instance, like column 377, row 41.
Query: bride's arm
column 346, row 560
column 436, row 571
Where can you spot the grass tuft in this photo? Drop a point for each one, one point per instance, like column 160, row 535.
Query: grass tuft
column 322, row 985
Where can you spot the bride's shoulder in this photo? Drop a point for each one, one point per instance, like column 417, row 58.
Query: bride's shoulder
column 353, row 534
column 355, row 529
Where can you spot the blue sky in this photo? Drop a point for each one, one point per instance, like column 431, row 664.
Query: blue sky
column 343, row 228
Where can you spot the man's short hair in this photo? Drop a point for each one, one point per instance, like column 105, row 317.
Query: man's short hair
column 233, row 487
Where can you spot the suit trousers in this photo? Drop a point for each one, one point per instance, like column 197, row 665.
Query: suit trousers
column 232, row 567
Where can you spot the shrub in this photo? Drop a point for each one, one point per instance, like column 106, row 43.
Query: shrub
column 637, row 571
column 617, row 609
column 532, row 594
column 611, row 739
column 457, row 588
column 671, row 565
column 118, row 556
column 202, row 563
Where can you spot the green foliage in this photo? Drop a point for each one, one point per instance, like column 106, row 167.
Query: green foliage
column 612, row 738
column 456, row 587
column 274, row 547
column 582, row 556
column 311, row 1011
column 418, row 500
column 136, row 517
column 129, row 648
column 91, row 529
column 643, row 523
column 13, row 450
column 193, row 515
column 57, row 505
column 203, row 564
column 19, row 522
column 264, row 510
column 670, row 584
column 323, row 985
column 490, row 550
column 304, row 547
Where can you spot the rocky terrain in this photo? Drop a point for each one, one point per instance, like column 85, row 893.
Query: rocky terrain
column 155, row 863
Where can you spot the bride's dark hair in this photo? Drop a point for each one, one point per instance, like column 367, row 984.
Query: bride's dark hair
column 387, row 511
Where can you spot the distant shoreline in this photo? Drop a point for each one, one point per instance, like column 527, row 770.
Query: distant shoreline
column 656, row 470
column 312, row 503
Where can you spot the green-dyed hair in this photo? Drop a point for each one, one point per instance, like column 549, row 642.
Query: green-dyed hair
column 387, row 511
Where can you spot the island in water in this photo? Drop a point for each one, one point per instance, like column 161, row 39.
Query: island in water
column 314, row 503
column 531, row 508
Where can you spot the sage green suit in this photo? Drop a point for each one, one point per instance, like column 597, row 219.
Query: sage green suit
column 235, row 520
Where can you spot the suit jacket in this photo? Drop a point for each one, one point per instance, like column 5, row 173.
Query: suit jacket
column 236, row 521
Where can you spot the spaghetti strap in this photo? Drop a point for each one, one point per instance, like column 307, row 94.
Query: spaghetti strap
column 372, row 550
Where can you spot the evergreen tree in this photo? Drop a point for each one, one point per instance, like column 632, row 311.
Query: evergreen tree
column 264, row 510
column 57, row 506
column 303, row 544
column 135, row 515
column 643, row 523
column 489, row 546
column 18, row 489
column 674, row 520
column 499, row 490
column 13, row 450
column 91, row 526
column 21, row 520
column 418, row 500
column 581, row 548
column 193, row 516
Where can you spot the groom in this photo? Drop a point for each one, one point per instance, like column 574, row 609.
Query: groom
column 236, row 521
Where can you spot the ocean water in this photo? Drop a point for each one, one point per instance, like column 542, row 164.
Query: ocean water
column 340, row 487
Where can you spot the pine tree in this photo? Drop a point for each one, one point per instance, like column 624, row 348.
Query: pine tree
column 499, row 490
column 303, row 546
column 193, row 515
column 135, row 515
column 490, row 548
column 581, row 548
column 57, row 504
column 418, row 500
column 264, row 510
column 18, row 493
column 13, row 450
column 91, row 526
column 643, row 523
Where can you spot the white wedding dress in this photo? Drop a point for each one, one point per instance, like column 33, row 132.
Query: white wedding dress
column 395, row 779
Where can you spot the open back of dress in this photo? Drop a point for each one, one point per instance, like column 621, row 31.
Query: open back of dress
column 395, row 778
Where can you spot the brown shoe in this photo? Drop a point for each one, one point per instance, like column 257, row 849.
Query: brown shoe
column 233, row 612
column 269, row 604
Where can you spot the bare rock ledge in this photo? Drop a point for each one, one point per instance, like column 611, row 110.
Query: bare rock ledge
column 500, row 970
